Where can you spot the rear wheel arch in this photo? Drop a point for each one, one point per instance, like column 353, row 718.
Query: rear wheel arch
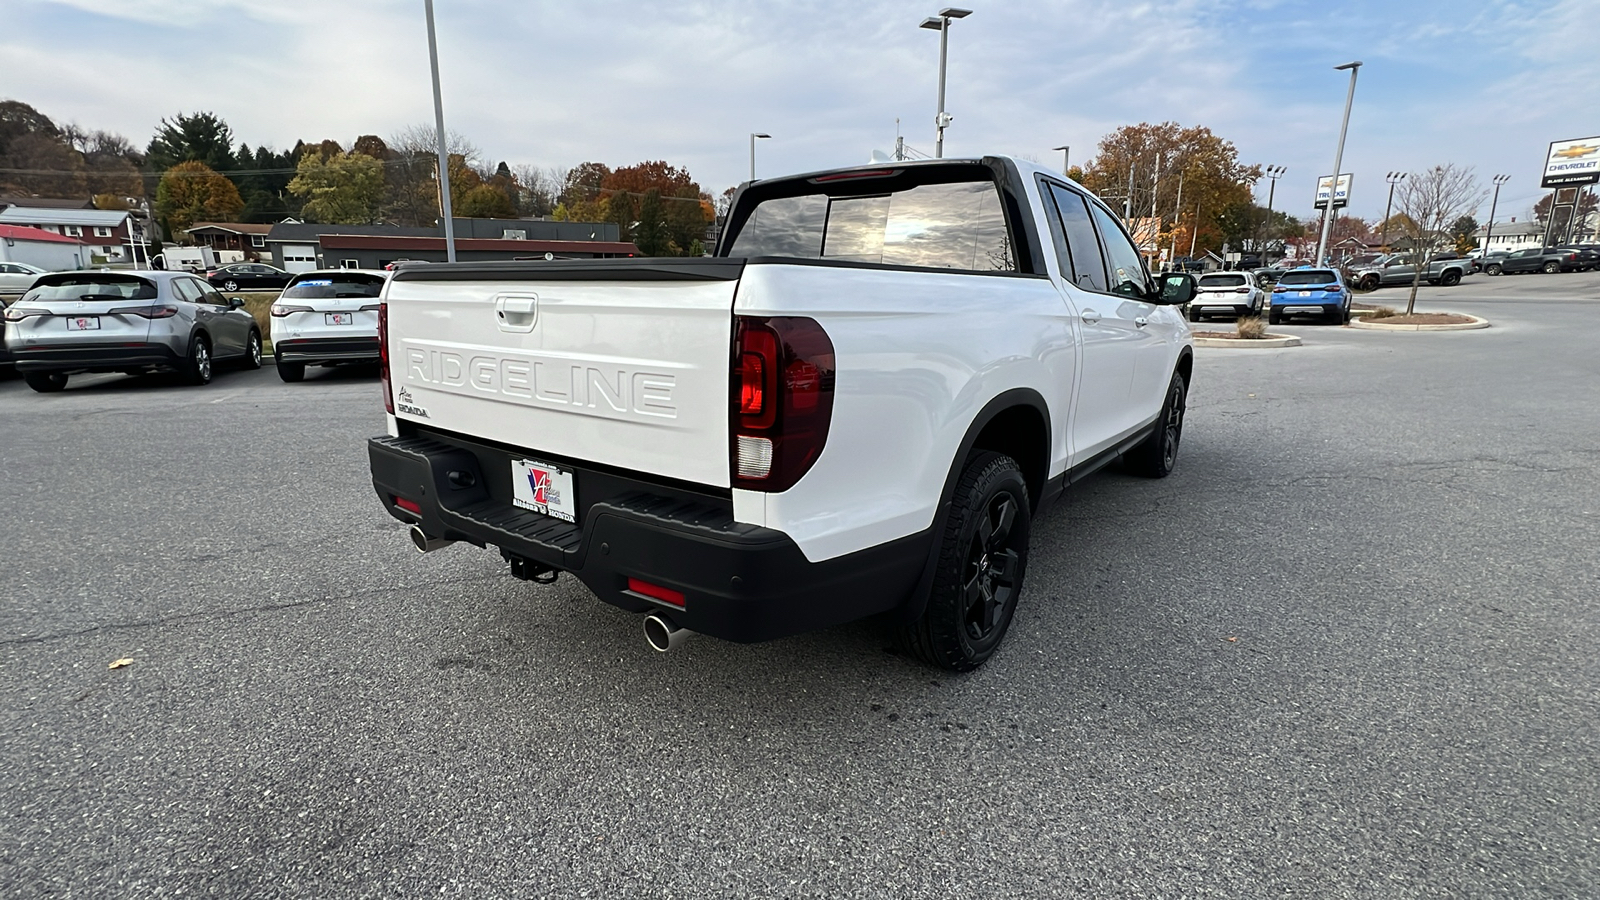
column 1017, row 420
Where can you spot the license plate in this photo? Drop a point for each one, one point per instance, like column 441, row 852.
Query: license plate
column 83, row 323
column 544, row 489
column 1305, row 293
column 340, row 318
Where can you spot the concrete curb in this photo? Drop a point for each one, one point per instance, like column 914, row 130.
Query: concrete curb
column 1476, row 323
column 1270, row 342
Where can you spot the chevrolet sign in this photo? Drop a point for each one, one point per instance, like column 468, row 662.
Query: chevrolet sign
column 1572, row 162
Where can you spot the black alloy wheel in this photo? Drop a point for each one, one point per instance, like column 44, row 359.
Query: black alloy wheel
column 1492, row 269
column 1369, row 283
column 1157, row 456
column 979, row 570
column 1551, row 268
column 45, row 382
column 1450, row 278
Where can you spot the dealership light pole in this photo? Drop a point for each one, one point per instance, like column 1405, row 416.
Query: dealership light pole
column 1489, row 234
column 444, row 153
column 1338, row 160
column 753, row 136
column 1066, row 158
column 1273, row 173
column 1394, row 178
column 941, row 24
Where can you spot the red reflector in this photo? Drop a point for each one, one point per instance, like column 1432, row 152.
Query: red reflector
column 656, row 591
column 409, row 506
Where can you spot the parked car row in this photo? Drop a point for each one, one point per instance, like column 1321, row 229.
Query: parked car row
column 71, row 323
column 1548, row 260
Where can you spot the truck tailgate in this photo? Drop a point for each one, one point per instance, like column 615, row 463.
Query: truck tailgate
column 620, row 362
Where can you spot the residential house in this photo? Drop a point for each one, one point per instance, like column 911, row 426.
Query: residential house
column 1508, row 236
column 108, row 233
column 41, row 248
column 248, row 239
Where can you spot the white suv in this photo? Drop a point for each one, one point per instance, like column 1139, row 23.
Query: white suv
column 326, row 318
column 1227, row 294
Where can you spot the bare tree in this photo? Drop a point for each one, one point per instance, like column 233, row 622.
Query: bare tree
column 1431, row 200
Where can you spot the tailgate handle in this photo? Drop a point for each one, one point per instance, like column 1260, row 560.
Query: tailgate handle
column 516, row 313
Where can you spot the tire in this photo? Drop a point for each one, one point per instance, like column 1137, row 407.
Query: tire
column 978, row 574
column 196, row 369
column 1274, row 318
column 1369, row 283
column 45, row 382
column 230, row 286
column 252, row 350
column 291, row 372
column 1550, row 268
column 1194, row 315
column 1450, row 278
column 1492, row 269
column 1158, row 455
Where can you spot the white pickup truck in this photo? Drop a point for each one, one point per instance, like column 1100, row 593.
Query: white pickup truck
column 856, row 407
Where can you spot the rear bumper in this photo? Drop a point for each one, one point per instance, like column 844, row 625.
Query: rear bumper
column 314, row 350
column 739, row 582
column 93, row 357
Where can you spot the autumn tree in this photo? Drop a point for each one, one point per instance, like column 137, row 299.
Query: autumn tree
column 683, row 208
column 192, row 192
column 1142, row 166
column 484, row 201
column 1432, row 200
column 412, row 174
column 651, row 236
column 343, row 188
column 1462, row 230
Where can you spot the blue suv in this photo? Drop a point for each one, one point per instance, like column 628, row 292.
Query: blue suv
column 1310, row 292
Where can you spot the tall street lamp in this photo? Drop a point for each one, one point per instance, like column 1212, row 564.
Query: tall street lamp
column 941, row 24
column 444, row 153
column 1338, row 160
column 1066, row 158
column 1273, row 173
column 1498, row 180
column 753, row 136
column 1393, row 178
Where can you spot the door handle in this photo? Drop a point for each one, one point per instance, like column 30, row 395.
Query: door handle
column 1090, row 316
column 1141, row 321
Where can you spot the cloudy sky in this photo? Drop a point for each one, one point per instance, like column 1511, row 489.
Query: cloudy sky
column 1485, row 83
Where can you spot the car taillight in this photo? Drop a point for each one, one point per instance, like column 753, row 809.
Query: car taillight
column 383, row 357
column 782, row 400
column 18, row 313
column 1243, row 290
column 148, row 312
column 279, row 310
column 1280, row 290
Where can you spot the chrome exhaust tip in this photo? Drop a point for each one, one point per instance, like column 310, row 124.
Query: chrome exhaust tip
column 426, row 544
column 663, row 634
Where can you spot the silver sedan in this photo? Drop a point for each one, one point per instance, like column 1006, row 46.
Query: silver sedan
column 134, row 322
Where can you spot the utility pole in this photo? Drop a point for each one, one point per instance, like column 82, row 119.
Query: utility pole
column 941, row 23
column 1394, row 178
column 1127, row 201
column 444, row 153
column 1273, row 173
column 1066, row 158
column 1338, row 160
column 753, row 136
column 1489, row 233
column 1177, row 213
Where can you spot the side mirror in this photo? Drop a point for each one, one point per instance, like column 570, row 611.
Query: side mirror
column 236, row 303
column 1176, row 289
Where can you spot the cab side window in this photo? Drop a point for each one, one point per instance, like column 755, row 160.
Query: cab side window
column 1128, row 274
column 1082, row 263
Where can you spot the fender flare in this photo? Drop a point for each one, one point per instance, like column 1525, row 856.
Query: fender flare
column 918, row 600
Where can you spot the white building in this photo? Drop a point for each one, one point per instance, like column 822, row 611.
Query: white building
column 44, row 249
column 1508, row 236
column 107, row 232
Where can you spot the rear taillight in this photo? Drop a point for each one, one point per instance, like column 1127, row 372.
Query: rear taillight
column 18, row 313
column 148, row 312
column 1243, row 290
column 782, row 400
column 383, row 357
column 1280, row 290
column 279, row 310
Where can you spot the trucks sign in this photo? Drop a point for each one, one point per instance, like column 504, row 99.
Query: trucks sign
column 1341, row 195
column 1572, row 162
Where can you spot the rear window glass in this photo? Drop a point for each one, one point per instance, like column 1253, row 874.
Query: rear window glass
column 331, row 287
column 1222, row 281
column 95, row 286
column 942, row 226
column 1315, row 276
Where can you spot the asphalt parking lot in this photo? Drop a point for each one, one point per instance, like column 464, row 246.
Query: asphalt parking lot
column 1347, row 650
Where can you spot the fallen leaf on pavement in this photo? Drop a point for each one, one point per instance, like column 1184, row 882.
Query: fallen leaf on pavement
column 117, row 664
column 1231, row 640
